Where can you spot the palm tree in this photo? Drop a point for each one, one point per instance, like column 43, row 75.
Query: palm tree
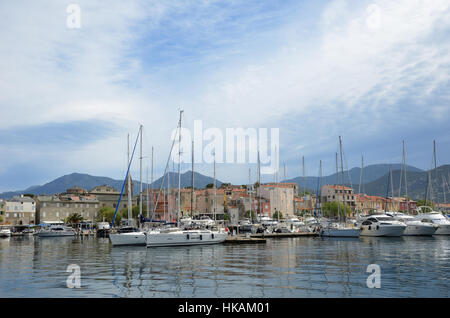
column 74, row 218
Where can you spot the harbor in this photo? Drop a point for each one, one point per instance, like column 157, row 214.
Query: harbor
column 288, row 267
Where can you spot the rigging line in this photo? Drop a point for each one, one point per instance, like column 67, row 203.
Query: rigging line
column 124, row 181
column 165, row 172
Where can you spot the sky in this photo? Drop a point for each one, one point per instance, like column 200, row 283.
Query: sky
column 373, row 72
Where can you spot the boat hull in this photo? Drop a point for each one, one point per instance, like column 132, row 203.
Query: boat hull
column 419, row 230
column 185, row 238
column 128, row 239
column 443, row 229
column 387, row 230
column 49, row 234
column 331, row 232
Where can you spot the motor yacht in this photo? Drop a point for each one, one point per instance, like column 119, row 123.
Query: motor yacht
column 436, row 218
column 413, row 225
column 178, row 237
column 56, row 231
column 382, row 225
column 5, row 231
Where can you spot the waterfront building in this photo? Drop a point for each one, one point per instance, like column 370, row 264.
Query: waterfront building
column 204, row 203
column 20, row 210
column 2, row 210
column 280, row 196
column 337, row 193
column 305, row 205
column 53, row 209
column 367, row 204
column 109, row 196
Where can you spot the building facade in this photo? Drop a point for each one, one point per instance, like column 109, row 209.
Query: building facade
column 338, row 193
column 20, row 210
column 54, row 209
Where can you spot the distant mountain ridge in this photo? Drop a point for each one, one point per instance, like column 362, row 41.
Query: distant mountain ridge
column 88, row 182
column 352, row 176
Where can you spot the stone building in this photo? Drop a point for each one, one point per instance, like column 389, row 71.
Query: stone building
column 280, row 196
column 338, row 193
column 55, row 209
column 20, row 210
column 109, row 196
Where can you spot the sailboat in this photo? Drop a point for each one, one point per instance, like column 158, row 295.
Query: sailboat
column 176, row 236
column 434, row 217
column 340, row 229
column 129, row 234
column 413, row 226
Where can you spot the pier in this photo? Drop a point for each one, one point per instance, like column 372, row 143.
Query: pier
column 283, row 235
column 241, row 239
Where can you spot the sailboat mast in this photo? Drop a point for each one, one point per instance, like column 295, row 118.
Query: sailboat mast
column 392, row 190
column 148, row 198
column 259, row 185
column 129, row 183
column 404, row 175
column 250, row 193
column 192, row 185
column 214, row 207
column 179, row 172
column 140, row 174
column 152, row 182
column 342, row 169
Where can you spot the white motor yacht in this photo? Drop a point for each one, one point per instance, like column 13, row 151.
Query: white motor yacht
column 436, row 218
column 56, row 231
column 413, row 225
column 382, row 225
column 178, row 237
column 5, row 231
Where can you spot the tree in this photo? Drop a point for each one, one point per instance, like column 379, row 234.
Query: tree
column 247, row 214
column 108, row 213
column 226, row 217
column 134, row 212
column 277, row 215
column 1, row 219
column 332, row 209
column 74, row 218
column 209, row 186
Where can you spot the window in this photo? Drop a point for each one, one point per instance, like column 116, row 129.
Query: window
column 57, row 205
column 57, row 214
column 87, row 205
column 44, row 204
column 96, row 206
column 15, row 215
column 43, row 214
column 7, row 215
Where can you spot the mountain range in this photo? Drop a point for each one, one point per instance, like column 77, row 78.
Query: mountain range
column 375, row 182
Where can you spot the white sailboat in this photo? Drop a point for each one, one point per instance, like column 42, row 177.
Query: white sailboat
column 433, row 217
column 340, row 229
column 414, row 227
column 129, row 234
column 175, row 236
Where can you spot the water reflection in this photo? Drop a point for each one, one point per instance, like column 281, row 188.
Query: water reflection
column 296, row 267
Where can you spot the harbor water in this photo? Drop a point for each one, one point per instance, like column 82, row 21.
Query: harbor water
column 288, row 267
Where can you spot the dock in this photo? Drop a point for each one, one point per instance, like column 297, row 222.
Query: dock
column 283, row 235
column 240, row 239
